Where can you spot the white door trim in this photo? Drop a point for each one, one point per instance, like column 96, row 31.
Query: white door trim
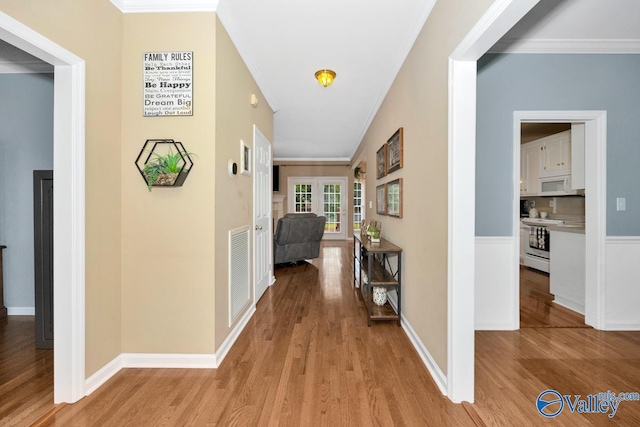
column 596, row 207
column 499, row 18
column 68, row 205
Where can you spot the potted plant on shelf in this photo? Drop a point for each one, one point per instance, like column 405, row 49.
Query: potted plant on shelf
column 163, row 169
column 375, row 233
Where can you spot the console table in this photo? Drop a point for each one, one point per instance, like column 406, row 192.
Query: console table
column 3, row 309
column 369, row 271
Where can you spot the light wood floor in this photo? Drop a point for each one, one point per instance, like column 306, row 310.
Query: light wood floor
column 537, row 309
column 308, row 358
column 26, row 374
column 554, row 349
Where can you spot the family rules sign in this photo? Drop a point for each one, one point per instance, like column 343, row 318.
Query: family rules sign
column 168, row 84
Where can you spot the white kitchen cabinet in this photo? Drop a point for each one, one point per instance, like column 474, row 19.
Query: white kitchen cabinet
column 578, row 134
column 567, row 269
column 530, row 159
column 556, row 154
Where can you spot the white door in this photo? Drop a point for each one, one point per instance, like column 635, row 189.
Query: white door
column 262, row 259
column 324, row 196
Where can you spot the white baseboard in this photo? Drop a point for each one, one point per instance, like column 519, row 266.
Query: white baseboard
column 103, row 375
column 622, row 327
column 21, row 311
column 438, row 377
column 569, row 304
column 494, row 326
column 233, row 336
column 174, row 361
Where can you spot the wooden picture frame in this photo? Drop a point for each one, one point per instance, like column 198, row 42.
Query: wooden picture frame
column 381, row 199
column 395, row 151
column 245, row 158
column 394, row 198
column 381, row 162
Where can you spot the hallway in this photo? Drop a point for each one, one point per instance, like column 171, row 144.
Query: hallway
column 307, row 358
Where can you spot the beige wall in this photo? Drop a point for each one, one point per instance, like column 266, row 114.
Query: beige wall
column 168, row 256
column 288, row 170
column 418, row 101
column 152, row 273
column 235, row 118
column 92, row 30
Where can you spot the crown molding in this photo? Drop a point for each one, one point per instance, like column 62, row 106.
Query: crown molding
column 165, row 6
column 422, row 12
column 230, row 23
column 25, row 67
column 313, row 159
column 567, row 46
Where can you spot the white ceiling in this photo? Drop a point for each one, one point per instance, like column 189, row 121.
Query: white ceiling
column 576, row 26
column 284, row 42
column 365, row 42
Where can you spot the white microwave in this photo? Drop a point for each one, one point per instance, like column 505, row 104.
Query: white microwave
column 557, row 186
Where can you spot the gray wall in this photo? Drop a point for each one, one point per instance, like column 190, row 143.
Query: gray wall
column 507, row 83
column 26, row 144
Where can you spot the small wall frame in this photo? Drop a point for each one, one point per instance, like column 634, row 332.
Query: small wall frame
column 381, row 162
column 245, row 158
column 381, row 199
column 395, row 151
column 394, row 198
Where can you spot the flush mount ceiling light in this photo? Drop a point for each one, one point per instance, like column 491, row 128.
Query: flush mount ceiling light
column 325, row 77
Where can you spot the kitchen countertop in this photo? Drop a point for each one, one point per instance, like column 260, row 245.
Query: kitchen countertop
column 580, row 229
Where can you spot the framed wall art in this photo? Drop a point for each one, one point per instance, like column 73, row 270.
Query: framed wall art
column 381, row 199
column 394, row 151
column 167, row 84
column 381, row 162
column 245, row 158
column 394, row 198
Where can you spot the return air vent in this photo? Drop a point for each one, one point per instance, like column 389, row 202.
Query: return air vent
column 239, row 273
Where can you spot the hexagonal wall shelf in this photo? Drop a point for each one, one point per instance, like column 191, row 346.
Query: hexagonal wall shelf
column 163, row 163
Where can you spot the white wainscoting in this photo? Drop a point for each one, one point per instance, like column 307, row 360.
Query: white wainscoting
column 496, row 290
column 622, row 286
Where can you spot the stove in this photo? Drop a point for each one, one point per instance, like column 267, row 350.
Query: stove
column 538, row 243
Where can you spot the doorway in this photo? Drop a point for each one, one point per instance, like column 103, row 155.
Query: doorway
column 324, row 196
column 69, row 205
column 595, row 206
column 551, row 287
